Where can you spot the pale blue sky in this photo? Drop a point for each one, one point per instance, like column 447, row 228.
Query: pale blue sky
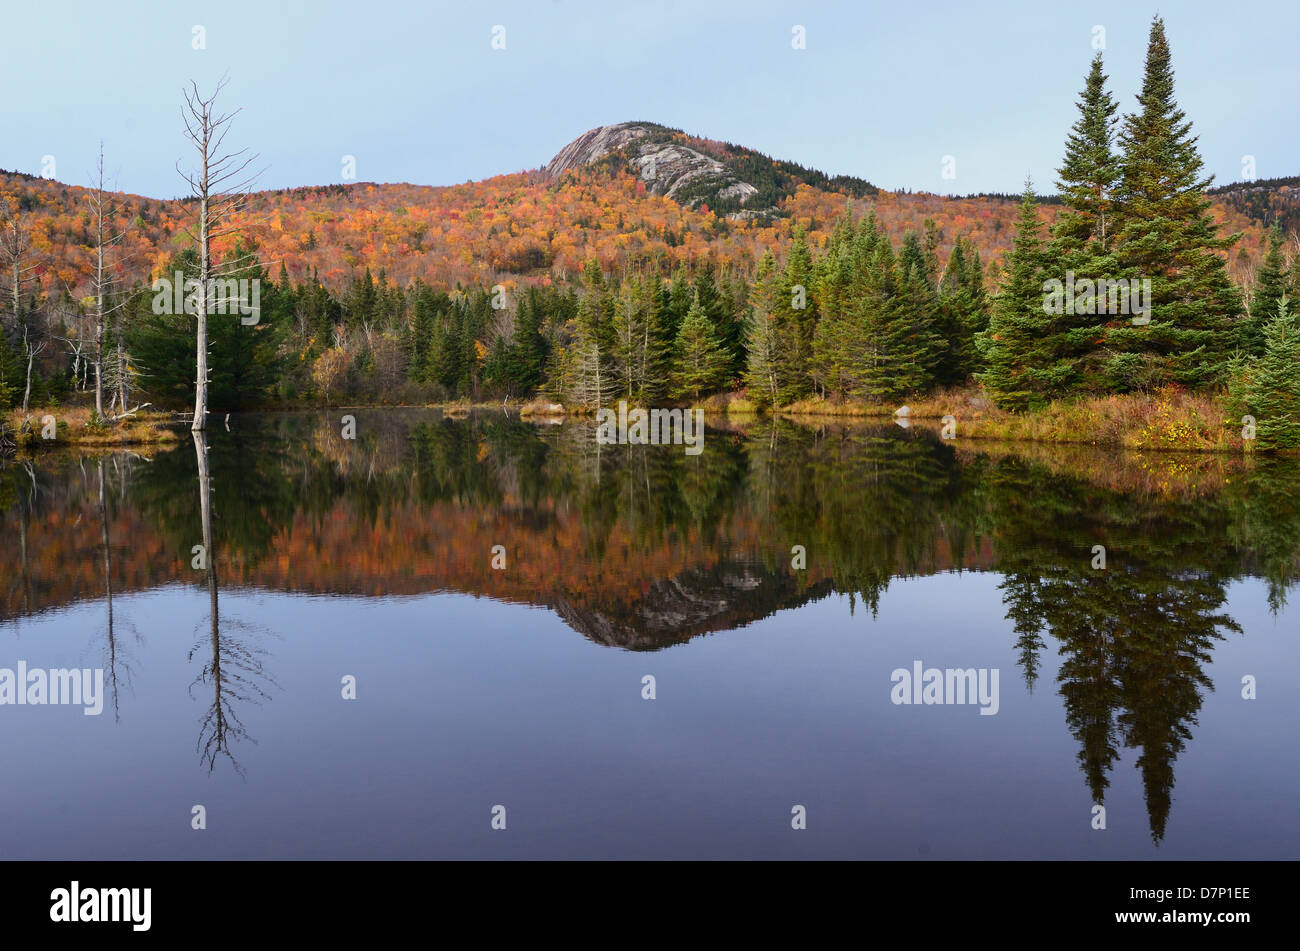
column 417, row 94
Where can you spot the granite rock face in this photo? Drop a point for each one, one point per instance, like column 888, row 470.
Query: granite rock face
column 667, row 167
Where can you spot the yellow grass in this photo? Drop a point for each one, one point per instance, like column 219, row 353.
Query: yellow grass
column 73, row 428
column 1169, row 419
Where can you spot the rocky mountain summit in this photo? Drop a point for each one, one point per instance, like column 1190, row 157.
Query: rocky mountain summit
column 729, row 179
column 667, row 167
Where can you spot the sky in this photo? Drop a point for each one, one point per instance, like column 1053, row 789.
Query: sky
column 416, row 92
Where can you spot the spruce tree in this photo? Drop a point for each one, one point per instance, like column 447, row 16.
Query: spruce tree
column 835, row 361
column 1167, row 235
column 1272, row 390
column 701, row 361
column 526, row 355
column 1081, row 240
column 591, row 376
column 10, row 372
column 956, row 320
column 916, row 346
column 979, row 313
column 797, row 322
column 677, row 301
column 717, row 306
column 1090, row 170
column 1270, row 288
column 763, row 337
column 1012, row 345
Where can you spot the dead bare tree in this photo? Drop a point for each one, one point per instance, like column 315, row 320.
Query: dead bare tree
column 15, row 243
column 221, row 185
column 104, row 213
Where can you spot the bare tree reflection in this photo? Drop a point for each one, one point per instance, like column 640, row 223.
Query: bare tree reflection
column 117, row 659
column 234, row 668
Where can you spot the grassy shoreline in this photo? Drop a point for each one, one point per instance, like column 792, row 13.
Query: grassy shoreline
column 1170, row 420
column 74, row 426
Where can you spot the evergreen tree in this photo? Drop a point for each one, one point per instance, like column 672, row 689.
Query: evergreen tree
column 244, row 358
column 1272, row 386
column 1269, row 289
column 956, row 320
column 837, row 338
column 11, row 373
column 1089, row 172
column 652, row 366
column 717, row 308
column 933, row 238
column 592, row 381
column 762, row 344
column 797, row 319
column 677, row 302
column 1081, row 240
column 1167, row 235
column 1013, row 341
column 910, row 338
column 519, row 363
column 701, row 359
column 631, row 334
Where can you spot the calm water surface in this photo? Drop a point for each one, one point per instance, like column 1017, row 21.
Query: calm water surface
column 522, row 686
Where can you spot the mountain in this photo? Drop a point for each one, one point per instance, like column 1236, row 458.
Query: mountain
column 1269, row 201
column 728, row 179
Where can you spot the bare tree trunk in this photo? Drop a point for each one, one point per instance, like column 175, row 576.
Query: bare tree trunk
column 99, row 325
column 121, row 369
column 31, row 359
column 201, row 304
column 220, row 187
column 97, row 200
column 15, row 243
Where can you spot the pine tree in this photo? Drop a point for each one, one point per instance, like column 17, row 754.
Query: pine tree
column 956, row 319
column 1090, row 170
column 1272, row 389
column 837, row 338
column 638, row 340
column 717, row 306
column 10, row 372
column 593, row 380
column 1167, row 235
column 762, row 338
column 1081, row 240
column 1270, row 288
column 912, row 339
column 526, row 354
column 701, row 361
column 677, row 301
column 798, row 315
column 1012, row 343
column 933, row 238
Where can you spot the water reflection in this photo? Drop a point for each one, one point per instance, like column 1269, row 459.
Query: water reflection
column 233, row 664
column 642, row 548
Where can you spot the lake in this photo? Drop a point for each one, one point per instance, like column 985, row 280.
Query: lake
column 484, row 637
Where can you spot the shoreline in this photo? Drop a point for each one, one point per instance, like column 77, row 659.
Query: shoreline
column 1164, row 421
